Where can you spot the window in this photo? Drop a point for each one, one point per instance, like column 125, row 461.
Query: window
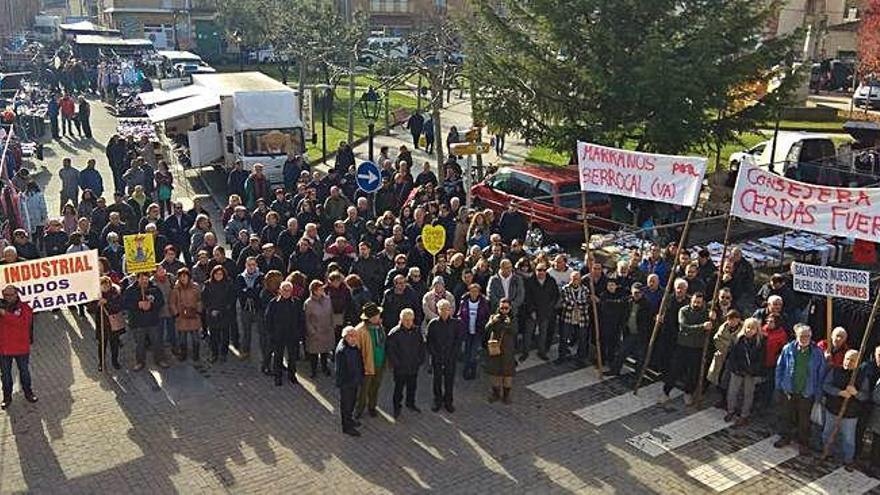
column 514, row 184
column 273, row 142
column 389, row 6
column 544, row 192
column 570, row 197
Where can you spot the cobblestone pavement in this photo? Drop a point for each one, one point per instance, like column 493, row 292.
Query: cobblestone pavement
column 227, row 428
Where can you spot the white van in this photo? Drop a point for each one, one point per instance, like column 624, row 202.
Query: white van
column 807, row 151
column 380, row 47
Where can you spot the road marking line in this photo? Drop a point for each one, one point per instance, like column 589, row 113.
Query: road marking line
column 563, row 384
column 680, row 432
column 623, row 405
column 743, row 465
column 534, row 360
column 839, row 481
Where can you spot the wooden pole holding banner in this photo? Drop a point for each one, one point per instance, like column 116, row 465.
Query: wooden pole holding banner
column 852, row 379
column 593, row 295
column 829, row 318
column 661, row 314
column 713, row 305
column 782, row 251
column 102, row 346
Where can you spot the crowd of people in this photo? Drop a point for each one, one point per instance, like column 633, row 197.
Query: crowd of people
column 313, row 269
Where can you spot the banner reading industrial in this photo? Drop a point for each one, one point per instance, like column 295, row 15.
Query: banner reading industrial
column 55, row 282
column 653, row 177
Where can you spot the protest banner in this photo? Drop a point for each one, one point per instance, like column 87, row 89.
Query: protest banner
column 664, row 178
column 766, row 197
column 55, row 282
column 831, row 282
column 140, row 255
column 434, row 238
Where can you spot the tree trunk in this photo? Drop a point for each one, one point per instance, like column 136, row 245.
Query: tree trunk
column 351, row 101
column 303, row 65
column 436, row 107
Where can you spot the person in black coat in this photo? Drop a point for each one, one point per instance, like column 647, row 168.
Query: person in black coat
column 349, row 378
column 415, row 123
column 143, row 301
column 638, row 323
column 444, row 335
column 399, row 297
column 369, row 269
column 542, row 294
column 285, row 321
column 512, row 224
column 235, row 180
column 218, row 299
column 307, row 261
column 405, row 350
column 612, row 318
column 55, row 240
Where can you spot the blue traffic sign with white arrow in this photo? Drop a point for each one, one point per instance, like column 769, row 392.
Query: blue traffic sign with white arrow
column 369, row 179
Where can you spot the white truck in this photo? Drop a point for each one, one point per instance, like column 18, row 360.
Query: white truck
column 47, row 28
column 256, row 120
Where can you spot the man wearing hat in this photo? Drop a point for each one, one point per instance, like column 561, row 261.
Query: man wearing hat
column 371, row 342
column 268, row 260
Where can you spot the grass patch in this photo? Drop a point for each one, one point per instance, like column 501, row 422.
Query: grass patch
column 547, row 156
column 338, row 130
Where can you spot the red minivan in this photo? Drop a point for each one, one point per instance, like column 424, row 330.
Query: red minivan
column 548, row 196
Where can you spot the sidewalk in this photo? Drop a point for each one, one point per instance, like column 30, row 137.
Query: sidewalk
column 457, row 114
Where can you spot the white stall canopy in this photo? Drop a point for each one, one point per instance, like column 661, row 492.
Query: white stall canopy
column 160, row 96
column 182, row 108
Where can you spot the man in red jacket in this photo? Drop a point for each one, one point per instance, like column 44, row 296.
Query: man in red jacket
column 15, row 344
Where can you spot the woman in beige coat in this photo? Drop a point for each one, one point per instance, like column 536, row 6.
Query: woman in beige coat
column 320, row 331
column 723, row 339
column 186, row 308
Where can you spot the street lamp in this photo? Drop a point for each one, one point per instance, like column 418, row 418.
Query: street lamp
column 370, row 104
column 239, row 39
column 324, row 90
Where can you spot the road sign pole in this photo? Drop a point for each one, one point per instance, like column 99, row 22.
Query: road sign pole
column 467, row 182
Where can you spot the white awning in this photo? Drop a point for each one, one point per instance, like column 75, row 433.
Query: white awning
column 159, row 96
column 182, row 108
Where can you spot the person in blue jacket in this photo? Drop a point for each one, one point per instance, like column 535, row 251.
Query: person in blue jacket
column 800, row 370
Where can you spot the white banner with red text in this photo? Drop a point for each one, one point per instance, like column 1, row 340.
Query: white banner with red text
column 831, row 282
column 766, row 197
column 664, row 178
column 56, row 281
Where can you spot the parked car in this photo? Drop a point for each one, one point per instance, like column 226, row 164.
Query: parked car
column 548, row 196
column 793, row 151
column 867, row 95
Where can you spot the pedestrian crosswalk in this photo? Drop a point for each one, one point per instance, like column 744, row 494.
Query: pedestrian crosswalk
column 720, row 471
column 624, row 405
column 838, row 482
column 743, row 465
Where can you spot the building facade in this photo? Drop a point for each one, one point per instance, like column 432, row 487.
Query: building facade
column 832, row 26
column 17, row 16
column 397, row 17
column 169, row 24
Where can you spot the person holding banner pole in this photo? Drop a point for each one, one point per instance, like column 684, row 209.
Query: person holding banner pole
column 593, row 296
column 662, row 312
column 16, row 318
column 829, row 439
column 714, row 317
column 107, row 312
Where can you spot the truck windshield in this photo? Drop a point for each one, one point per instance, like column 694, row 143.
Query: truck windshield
column 270, row 142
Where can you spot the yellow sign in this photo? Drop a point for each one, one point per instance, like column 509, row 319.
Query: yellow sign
column 462, row 149
column 140, row 253
column 434, row 238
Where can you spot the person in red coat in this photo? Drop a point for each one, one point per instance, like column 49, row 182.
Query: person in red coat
column 15, row 344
